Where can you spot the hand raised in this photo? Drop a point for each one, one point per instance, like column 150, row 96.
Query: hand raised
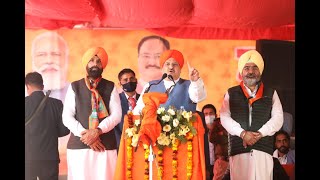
column 193, row 73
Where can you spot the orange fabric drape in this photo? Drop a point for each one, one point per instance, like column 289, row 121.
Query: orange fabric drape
column 138, row 156
column 150, row 128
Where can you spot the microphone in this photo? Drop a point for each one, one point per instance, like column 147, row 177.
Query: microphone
column 174, row 83
column 171, row 78
column 162, row 78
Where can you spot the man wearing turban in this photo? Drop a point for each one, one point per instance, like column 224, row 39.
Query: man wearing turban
column 182, row 93
column 91, row 111
column 251, row 113
column 186, row 93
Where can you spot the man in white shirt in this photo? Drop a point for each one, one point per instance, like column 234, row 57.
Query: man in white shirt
column 92, row 109
column 251, row 113
column 282, row 145
column 186, row 93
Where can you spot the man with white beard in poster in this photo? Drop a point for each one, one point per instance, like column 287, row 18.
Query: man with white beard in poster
column 50, row 58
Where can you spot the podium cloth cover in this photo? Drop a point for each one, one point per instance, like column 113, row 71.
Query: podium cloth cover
column 150, row 129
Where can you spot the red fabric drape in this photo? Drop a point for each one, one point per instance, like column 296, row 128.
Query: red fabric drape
column 196, row 19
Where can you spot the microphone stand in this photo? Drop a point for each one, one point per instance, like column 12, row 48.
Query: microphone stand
column 169, row 89
column 163, row 76
column 150, row 159
column 171, row 78
column 151, row 156
column 174, row 83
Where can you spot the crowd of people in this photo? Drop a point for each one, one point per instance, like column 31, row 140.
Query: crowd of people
column 241, row 140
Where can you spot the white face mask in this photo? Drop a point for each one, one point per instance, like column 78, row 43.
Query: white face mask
column 209, row 119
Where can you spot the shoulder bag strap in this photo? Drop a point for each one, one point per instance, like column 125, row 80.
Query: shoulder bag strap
column 38, row 108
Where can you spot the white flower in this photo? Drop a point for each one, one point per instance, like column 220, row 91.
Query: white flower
column 167, row 141
column 165, row 118
column 130, row 132
column 172, row 136
column 160, row 110
column 163, row 139
column 175, row 122
column 137, row 122
column 166, row 128
column 145, row 146
column 135, row 139
column 187, row 115
column 183, row 130
column 171, row 112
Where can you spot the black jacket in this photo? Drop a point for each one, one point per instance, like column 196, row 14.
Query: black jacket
column 41, row 134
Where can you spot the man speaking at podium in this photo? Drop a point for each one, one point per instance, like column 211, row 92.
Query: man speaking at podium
column 186, row 93
column 181, row 93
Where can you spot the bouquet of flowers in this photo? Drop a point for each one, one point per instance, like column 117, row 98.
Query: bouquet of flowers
column 177, row 127
column 176, row 124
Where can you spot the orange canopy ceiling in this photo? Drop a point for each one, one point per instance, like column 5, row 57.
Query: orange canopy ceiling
column 196, row 19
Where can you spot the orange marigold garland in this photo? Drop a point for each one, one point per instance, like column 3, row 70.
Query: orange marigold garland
column 130, row 159
column 177, row 127
column 129, row 148
column 189, row 160
column 146, row 161
column 175, row 145
column 160, row 163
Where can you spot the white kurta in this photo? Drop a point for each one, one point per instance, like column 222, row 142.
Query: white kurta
column 255, row 165
column 86, row 164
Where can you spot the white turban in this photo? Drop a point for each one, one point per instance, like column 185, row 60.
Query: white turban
column 251, row 56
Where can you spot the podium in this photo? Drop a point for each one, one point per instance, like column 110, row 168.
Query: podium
column 138, row 168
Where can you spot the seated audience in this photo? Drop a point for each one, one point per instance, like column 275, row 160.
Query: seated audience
column 282, row 145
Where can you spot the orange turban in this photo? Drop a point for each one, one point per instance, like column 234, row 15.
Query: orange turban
column 175, row 54
column 99, row 51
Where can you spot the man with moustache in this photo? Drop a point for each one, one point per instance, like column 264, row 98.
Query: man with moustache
column 149, row 50
column 91, row 111
column 283, row 151
column 251, row 113
column 186, row 93
column 181, row 93
column 50, row 58
column 129, row 96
